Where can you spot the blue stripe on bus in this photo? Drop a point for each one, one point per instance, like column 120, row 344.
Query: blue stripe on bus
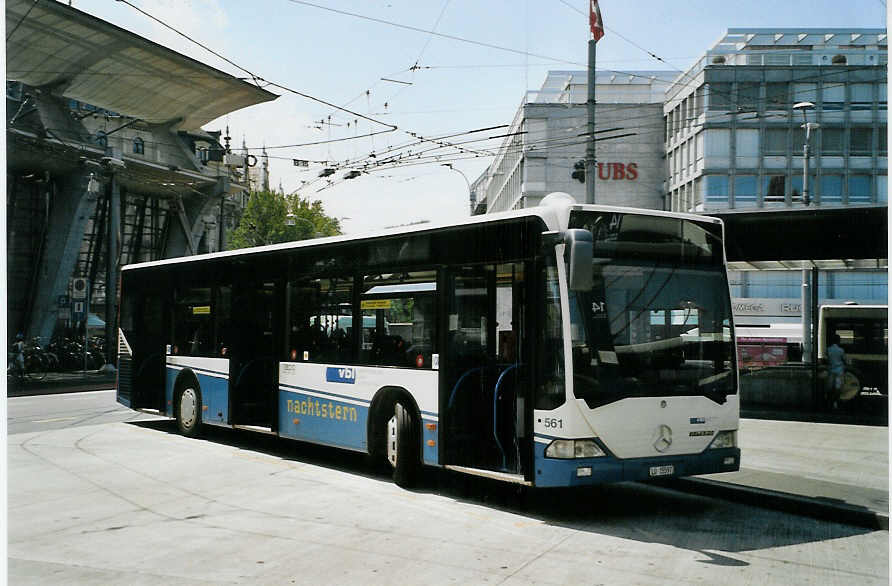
column 325, row 394
column 214, row 394
column 197, row 369
column 429, row 453
column 560, row 472
column 322, row 420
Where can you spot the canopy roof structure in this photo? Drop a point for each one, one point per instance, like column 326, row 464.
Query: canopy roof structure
column 78, row 56
column 819, row 237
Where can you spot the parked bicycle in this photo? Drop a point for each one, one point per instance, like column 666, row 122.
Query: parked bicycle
column 26, row 361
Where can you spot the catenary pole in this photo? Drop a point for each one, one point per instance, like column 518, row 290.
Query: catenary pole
column 590, row 144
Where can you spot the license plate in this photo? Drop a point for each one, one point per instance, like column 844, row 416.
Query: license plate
column 662, row 470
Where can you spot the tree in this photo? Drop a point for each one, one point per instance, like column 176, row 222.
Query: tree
column 266, row 220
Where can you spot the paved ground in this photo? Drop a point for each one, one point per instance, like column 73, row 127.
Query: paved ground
column 116, row 500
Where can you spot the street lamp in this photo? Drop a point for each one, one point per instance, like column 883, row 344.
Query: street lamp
column 471, row 194
column 808, row 126
column 291, row 219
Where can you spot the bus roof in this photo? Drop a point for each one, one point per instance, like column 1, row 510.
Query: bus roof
column 554, row 211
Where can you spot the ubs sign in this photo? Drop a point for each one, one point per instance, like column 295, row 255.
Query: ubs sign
column 618, row 171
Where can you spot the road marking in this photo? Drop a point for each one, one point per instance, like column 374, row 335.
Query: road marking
column 54, row 420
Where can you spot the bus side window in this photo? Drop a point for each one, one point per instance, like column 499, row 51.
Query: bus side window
column 321, row 317
column 398, row 316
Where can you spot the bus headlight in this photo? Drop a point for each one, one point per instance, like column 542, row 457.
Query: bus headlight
column 569, row 449
column 724, row 439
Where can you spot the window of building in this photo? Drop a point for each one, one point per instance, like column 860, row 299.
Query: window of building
column 139, row 147
column 883, row 141
column 720, row 96
column 861, row 96
column 859, row 189
column 776, row 96
column 699, row 100
column 776, row 141
column 884, row 92
column 102, row 139
column 860, row 140
column 804, row 92
column 745, row 191
column 882, row 188
column 747, row 142
column 831, row 141
column 774, row 188
column 716, row 190
column 834, row 95
column 718, row 142
column 831, row 189
column 747, row 97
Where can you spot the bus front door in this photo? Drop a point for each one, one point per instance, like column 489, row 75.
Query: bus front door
column 482, row 368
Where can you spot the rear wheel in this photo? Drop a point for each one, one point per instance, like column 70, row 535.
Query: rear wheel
column 189, row 411
column 403, row 450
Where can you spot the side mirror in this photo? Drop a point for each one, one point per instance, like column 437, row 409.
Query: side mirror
column 579, row 251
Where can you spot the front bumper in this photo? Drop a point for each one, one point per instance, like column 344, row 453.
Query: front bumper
column 551, row 472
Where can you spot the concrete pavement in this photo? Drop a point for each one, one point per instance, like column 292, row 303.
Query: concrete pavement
column 828, row 471
column 137, row 503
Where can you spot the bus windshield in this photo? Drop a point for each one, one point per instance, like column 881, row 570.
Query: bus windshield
column 657, row 320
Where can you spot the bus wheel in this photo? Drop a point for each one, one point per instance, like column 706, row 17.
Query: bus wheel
column 189, row 412
column 402, row 446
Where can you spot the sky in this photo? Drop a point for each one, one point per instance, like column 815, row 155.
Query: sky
column 472, row 74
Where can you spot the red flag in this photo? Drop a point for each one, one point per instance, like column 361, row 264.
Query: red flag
column 594, row 20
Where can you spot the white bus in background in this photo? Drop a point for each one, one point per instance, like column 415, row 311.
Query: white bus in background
column 549, row 346
column 864, row 335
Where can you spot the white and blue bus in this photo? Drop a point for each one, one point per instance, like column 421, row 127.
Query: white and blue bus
column 559, row 345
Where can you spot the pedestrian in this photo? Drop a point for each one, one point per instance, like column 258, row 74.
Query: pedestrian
column 18, row 350
column 836, row 362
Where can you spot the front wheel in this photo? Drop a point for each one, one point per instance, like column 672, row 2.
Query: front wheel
column 189, row 412
column 403, row 451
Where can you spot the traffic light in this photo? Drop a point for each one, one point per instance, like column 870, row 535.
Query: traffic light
column 578, row 171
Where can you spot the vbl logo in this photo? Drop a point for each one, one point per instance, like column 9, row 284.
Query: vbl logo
column 340, row 375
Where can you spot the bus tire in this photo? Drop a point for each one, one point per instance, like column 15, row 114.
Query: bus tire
column 403, row 450
column 189, row 410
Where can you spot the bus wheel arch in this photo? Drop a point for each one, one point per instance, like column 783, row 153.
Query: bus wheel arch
column 187, row 404
column 393, row 410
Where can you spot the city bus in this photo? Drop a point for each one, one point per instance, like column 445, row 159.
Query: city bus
column 558, row 345
column 864, row 335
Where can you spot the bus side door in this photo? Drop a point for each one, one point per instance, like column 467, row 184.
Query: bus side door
column 482, row 367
